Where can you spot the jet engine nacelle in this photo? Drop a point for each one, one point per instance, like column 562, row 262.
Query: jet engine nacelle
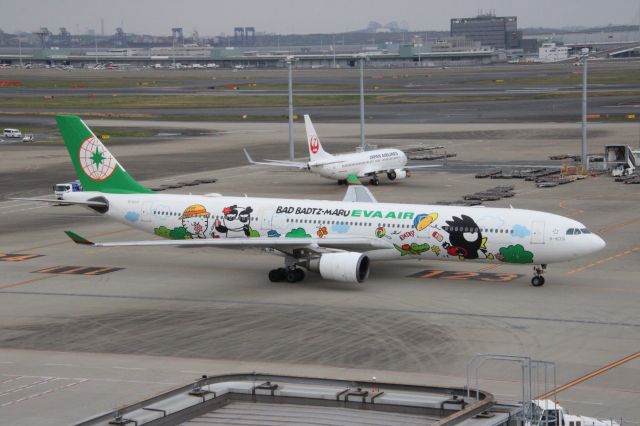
column 397, row 174
column 346, row 267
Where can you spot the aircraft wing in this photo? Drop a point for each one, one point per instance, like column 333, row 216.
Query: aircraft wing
column 313, row 244
column 422, row 166
column 278, row 163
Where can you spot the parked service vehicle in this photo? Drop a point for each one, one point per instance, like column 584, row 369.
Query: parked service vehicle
column 63, row 188
column 549, row 413
column 12, row 133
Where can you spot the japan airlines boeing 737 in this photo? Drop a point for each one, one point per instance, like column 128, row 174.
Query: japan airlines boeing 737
column 337, row 239
column 389, row 161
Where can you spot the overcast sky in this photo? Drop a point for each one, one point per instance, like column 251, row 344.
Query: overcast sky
column 212, row 17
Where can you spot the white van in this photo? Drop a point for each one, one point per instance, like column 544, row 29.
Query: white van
column 12, row 133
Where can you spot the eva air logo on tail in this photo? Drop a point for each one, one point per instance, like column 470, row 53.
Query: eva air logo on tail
column 314, row 144
column 96, row 162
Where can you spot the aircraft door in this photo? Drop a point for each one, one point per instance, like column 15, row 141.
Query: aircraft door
column 146, row 212
column 537, row 232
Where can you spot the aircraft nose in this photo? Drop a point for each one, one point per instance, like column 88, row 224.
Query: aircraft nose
column 598, row 243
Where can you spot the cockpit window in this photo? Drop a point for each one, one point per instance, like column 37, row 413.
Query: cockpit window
column 570, row 231
column 585, row 231
column 576, row 231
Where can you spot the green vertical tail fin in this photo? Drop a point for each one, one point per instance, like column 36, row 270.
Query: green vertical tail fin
column 97, row 168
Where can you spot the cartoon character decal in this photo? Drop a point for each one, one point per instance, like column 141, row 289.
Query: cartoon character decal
column 465, row 238
column 195, row 220
column 322, row 231
column 412, row 249
column 236, row 222
column 422, row 221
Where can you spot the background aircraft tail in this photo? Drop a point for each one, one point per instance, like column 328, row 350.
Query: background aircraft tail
column 97, row 169
column 313, row 142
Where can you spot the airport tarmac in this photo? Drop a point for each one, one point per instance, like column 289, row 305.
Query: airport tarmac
column 76, row 343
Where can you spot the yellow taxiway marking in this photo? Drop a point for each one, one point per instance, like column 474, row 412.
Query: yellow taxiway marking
column 570, row 210
column 606, row 259
column 590, row 375
column 19, row 283
column 609, row 228
column 489, row 268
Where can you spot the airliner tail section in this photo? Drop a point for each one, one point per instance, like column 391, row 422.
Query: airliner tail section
column 313, row 142
column 97, row 169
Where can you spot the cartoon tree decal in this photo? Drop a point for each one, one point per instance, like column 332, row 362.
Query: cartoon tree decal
column 297, row 233
column 515, row 254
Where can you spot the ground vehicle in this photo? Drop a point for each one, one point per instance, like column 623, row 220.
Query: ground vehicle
column 12, row 133
column 28, row 137
column 549, row 413
column 62, row 188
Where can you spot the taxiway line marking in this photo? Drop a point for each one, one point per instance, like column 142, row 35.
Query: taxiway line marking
column 489, row 268
column 606, row 229
column 605, row 260
column 35, row 395
column 98, row 271
column 590, row 375
column 19, row 283
column 571, row 210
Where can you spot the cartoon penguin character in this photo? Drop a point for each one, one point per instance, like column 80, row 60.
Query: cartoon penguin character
column 465, row 238
column 235, row 222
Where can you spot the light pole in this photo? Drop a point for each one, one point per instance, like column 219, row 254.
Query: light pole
column 362, row 141
column 290, row 60
column 583, row 156
column 20, row 50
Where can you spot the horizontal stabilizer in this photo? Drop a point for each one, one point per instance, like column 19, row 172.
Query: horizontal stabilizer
column 50, row 200
column 275, row 163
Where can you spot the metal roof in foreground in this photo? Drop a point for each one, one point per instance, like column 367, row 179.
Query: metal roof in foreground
column 262, row 399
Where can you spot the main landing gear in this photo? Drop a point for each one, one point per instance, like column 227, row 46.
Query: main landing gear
column 342, row 181
column 374, row 180
column 538, row 279
column 290, row 275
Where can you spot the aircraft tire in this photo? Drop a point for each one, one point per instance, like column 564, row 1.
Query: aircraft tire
column 299, row 274
column 292, row 275
column 374, row 182
column 537, row 281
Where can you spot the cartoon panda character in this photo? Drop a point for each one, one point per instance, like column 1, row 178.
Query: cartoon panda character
column 465, row 238
column 195, row 219
column 235, row 222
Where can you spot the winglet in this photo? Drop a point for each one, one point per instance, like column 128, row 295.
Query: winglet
column 249, row 159
column 353, row 180
column 78, row 239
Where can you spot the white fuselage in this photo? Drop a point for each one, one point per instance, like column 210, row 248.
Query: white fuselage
column 359, row 164
column 426, row 231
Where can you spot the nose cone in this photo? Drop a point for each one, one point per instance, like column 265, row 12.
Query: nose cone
column 597, row 243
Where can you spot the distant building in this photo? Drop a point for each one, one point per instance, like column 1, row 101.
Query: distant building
column 549, row 52
column 499, row 32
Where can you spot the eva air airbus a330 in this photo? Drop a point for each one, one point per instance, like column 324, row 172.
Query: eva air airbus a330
column 337, row 239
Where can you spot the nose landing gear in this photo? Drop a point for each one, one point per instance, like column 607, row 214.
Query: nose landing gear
column 538, row 279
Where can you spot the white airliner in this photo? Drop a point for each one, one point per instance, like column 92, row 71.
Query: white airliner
column 337, row 239
column 389, row 161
